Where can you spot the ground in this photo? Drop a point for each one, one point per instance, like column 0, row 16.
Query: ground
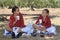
column 55, row 19
column 57, row 37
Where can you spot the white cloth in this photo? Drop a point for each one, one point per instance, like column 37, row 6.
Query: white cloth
column 28, row 29
column 6, row 32
column 15, row 30
column 51, row 29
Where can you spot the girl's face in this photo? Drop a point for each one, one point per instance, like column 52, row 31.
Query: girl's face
column 44, row 13
column 17, row 11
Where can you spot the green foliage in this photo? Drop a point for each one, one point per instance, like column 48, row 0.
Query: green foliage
column 27, row 3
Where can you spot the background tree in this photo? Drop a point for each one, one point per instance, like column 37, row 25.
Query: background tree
column 27, row 3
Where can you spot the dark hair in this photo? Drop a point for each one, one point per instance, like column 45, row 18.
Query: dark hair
column 46, row 11
column 14, row 9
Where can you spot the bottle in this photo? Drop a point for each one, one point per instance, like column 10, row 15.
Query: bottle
column 40, row 21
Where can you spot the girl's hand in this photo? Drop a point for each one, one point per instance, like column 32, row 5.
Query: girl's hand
column 15, row 19
column 42, row 28
column 38, row 23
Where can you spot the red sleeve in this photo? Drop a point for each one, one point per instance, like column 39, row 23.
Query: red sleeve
column 48, row 24
column 22, row 21
column 40, row 17
column 11, row 22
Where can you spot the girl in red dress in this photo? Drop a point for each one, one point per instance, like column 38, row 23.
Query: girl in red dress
column 43, row 23
column 16, row 22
